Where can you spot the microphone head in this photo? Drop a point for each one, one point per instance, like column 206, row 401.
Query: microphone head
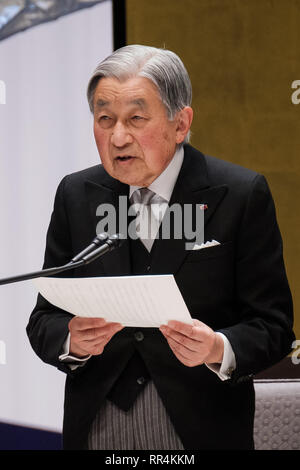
column 101, row 238
column 117, row 240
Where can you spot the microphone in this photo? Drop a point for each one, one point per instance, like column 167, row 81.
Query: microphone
column 112, row 242
column 89, row 254
column 100, row 238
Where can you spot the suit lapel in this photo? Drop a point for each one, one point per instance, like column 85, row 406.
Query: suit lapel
column 116, row 262
column 192, row 187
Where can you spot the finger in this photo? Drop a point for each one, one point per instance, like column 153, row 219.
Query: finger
column 180, row 327
column 96, row 350
column 181, row 339
column 84, row 342
column 179, row 349
column 191, row 357
column 89, row 350
column 184, row 359
column 96, row 345
column 83, row 323
column 197, row 331
column 102, row 332
column 106, row 333
column 109, row 329
column 113, row 329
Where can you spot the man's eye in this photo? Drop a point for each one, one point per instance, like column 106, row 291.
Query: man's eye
column 105, row 121
column 137, row 118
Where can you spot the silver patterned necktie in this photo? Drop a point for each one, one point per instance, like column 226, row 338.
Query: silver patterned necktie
column 146, row 222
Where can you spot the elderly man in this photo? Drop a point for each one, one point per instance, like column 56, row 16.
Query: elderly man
column 180, row 386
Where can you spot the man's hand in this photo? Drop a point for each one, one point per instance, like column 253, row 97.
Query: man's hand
column 193, row 344
column 89, row 336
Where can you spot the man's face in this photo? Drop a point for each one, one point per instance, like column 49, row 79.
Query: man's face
column 135, row 139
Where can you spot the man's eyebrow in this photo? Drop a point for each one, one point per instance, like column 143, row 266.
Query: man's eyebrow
column 140, row 102
column 101, row 103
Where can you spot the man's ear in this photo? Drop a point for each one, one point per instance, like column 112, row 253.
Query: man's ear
column 184, row 120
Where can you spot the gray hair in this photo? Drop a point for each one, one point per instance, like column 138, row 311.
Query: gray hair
column 164, row 68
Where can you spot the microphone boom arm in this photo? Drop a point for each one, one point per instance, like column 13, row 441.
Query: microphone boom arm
column 110, row 243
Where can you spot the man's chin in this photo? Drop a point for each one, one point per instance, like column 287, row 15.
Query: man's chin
column 131, row 181
column 124, row 175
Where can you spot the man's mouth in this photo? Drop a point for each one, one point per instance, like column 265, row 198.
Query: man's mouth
column 124, row 158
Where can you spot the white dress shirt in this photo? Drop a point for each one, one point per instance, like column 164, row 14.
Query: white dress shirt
column 163, row 187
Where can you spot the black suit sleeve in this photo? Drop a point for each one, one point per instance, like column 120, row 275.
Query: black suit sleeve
column 48, row 325
column 263, row 335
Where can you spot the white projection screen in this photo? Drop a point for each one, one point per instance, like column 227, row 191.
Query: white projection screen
column 45, row 133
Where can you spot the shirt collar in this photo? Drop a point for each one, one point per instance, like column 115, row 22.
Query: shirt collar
column 164, row 184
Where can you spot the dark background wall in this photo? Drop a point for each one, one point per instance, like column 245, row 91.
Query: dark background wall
column 242, row 56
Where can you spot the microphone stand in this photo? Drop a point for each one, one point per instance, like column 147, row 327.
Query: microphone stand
column 41, row 273
column 112, row 242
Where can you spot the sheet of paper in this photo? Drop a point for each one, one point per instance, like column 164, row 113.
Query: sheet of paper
column 137, row 301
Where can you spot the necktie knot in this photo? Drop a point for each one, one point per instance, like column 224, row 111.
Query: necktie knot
column 143, row 196
column 148, row 214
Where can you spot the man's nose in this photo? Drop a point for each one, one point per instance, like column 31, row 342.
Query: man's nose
column 120, row 135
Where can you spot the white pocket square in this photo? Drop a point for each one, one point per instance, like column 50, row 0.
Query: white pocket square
column 206, row 245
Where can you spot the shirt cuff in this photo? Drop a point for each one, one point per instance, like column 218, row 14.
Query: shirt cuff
column 228, row 365
column 72, row 361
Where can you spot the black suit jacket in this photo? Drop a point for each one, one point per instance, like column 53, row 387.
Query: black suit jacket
column 238, row 288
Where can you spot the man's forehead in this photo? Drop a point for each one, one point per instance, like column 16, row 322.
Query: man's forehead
column 138, row 91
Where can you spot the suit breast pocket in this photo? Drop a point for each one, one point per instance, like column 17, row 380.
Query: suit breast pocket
column 207, row 281
column 196, row 256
